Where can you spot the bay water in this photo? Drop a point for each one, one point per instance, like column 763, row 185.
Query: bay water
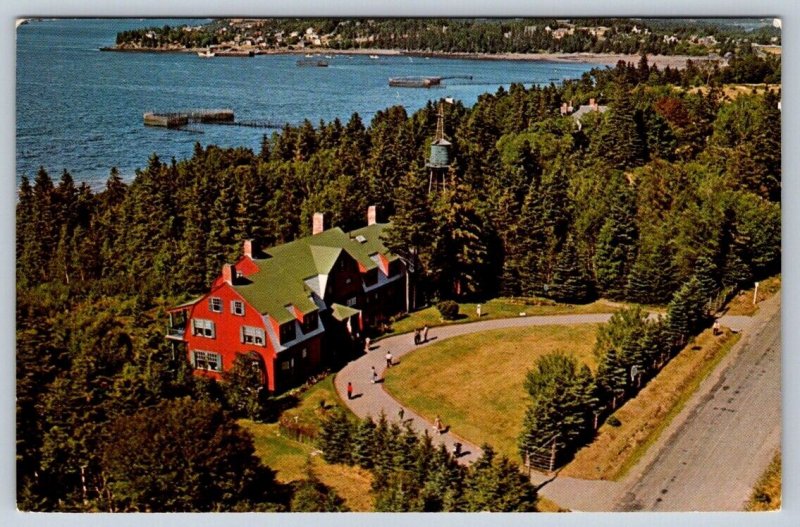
column 80, row 109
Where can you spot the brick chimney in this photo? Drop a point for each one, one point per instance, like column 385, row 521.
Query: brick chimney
column 372, row 215
column 248, row 248
column 318, row 223
column 593, row 104
column 228, row 273
column 563, row 108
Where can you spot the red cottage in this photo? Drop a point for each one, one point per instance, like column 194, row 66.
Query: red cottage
column 291, row 308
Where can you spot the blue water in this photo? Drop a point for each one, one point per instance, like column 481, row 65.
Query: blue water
column 81, row 109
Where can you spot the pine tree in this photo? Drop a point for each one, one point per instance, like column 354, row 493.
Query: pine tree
column 686, row 312
column 459, row 259
column 616, row 242
column 620, row 141
column 497, row 485
column 336, row 437
column 570, row 282
column 364, row 444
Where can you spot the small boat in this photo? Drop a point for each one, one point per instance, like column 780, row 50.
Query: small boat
column 309, row 55
column 205, row 54
column 374, row 57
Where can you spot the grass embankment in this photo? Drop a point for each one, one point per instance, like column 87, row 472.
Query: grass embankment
column 616, row 450
column 767, row 494
column 499, row 308
column 742, row 304
column 288, row 457
column 476, row 382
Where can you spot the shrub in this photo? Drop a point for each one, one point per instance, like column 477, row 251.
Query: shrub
column 448, row 309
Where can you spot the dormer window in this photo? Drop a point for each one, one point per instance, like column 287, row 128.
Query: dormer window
column 288, row 332
column 310, row 322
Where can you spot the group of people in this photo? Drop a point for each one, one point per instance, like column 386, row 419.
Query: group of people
column 420, row 335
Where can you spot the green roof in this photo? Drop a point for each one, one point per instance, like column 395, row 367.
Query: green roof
column 281, row 279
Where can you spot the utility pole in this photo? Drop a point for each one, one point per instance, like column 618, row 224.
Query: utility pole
column 755, row 294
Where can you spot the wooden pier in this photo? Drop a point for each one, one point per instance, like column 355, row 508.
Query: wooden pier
column 422, row 82
column 183, row 118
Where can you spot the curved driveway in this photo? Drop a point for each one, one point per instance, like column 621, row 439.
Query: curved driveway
column 629, row 494
column 371, row 399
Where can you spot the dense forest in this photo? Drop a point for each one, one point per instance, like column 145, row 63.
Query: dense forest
column 671, row 196
column 668, row 37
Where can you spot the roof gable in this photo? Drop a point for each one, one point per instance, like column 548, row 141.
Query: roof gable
column 293, row 272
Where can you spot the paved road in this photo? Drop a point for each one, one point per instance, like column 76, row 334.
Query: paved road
column 701, row 462
column 722, row 442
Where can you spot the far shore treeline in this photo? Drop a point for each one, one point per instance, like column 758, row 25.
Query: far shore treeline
column 678, row 182
column 467, row 35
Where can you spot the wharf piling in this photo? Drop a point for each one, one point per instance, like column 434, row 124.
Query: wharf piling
column 422, row 82
column 182, row 118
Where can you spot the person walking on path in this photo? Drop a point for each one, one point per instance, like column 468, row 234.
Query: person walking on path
column 416, row 337
column 437, row 425
column 366, row 344
column 374, row 375
column 401, row 413
column 349, row 390
column 478, row 311
column 388, row 359
column 425, row 333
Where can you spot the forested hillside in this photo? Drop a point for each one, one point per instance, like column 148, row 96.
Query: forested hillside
column 447, row 35
column 669, row 186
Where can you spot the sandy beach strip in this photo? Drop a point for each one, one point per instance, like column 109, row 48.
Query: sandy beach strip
column 602, row 59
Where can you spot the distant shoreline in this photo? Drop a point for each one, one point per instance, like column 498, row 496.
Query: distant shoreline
column 608, row 59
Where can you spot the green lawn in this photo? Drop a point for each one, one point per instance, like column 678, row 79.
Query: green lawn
column 475, row 382
column 288, row 457
column 499, row 308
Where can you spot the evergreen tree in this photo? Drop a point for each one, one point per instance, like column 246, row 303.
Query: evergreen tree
column 364, row 444
column 497, row 485
column 686, row 312
column 620, row 141
column 570, row 282
column 561, row 406
column 459, row 260
column 336, row 437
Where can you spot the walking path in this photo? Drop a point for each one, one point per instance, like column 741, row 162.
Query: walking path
column 371, row 399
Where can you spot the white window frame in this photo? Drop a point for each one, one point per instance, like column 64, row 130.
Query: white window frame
column 239, row 312
column 253, row 335
column 203, row 328
column 215, row 304
column 204, row 359
column 352, row 301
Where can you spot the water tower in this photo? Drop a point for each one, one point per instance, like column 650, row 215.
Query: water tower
column 439, row 160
